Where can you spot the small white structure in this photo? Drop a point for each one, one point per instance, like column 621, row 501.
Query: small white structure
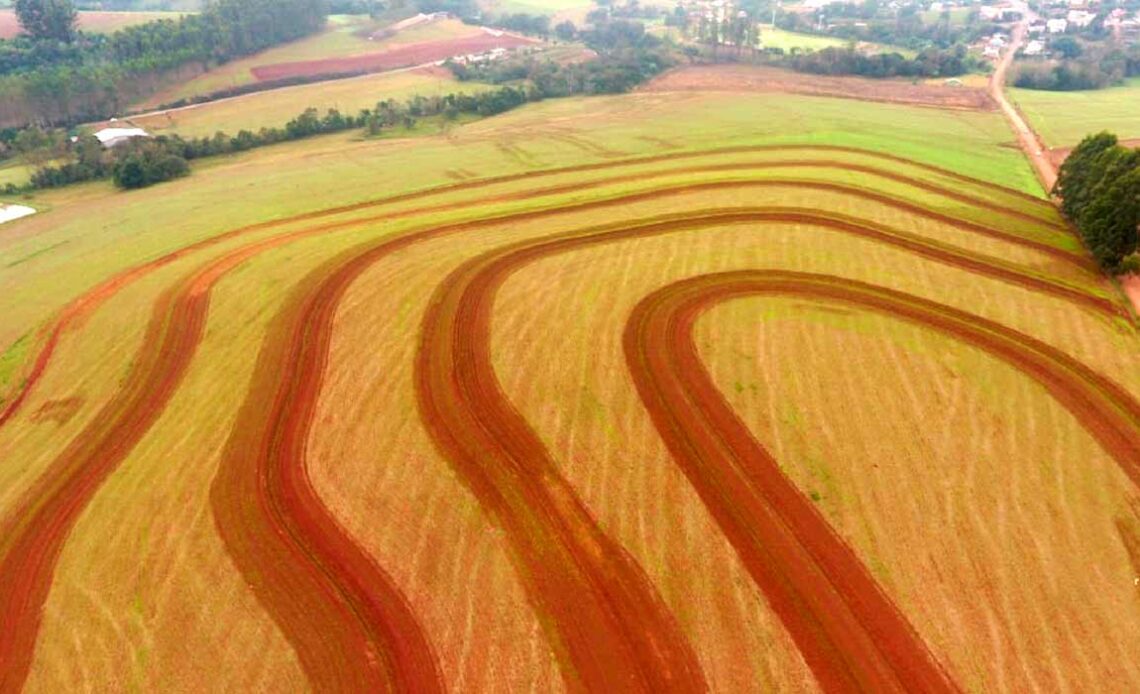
column 11, row 212
column 110, row 137
column 1056, row 26
column 1080, row 18
column 1034, row 48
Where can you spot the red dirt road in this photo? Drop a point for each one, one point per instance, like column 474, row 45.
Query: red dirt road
column 403, row 56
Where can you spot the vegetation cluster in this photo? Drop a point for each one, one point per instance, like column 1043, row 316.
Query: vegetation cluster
column 1099, row 185
column 55, row 75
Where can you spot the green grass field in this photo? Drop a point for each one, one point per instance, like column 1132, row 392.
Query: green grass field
column 273, row 108
column 538, row 357
column 1064, row 118
column 774, row 37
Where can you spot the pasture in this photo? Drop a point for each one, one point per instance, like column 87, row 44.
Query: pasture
column 274, row 107
column 806, row 397
column 1062, row 119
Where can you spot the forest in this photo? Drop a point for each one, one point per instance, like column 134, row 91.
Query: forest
column 55, row 75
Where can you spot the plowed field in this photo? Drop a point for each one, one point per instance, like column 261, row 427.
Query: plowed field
column 748, row 415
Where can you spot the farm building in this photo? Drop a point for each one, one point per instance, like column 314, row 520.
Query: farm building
column 111, row 137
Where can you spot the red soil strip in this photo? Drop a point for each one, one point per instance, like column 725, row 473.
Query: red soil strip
column 817, row 585
column 508, row 468
column 77, row 474
column 607, row 623
column 849, row 631
column 473, row 423
column 32, row 535
column 84, row 305
column 750, row 78
column 403, row 56
column 1131, row 286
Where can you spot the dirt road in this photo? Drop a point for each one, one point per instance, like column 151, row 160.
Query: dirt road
column 1036, row 152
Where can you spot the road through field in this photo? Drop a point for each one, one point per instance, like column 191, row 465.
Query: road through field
column 1036, row 152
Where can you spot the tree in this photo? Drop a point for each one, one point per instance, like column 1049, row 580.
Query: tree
column 1077, row 175
column 1109, row 222
column 1067, row 46
column 566, row 31
column 47, row 19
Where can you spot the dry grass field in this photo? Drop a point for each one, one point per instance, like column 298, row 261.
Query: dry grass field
column 93, row 22
column 673, row 390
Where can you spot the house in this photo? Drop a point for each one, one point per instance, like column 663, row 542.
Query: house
column 1080, row 18
column 112, row 137
column 989, row 12
column 1034, row 48
column 992, row 51
column 1056, row 26
column 1037, row 27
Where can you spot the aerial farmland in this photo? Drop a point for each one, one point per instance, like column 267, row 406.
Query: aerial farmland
column 499, row 377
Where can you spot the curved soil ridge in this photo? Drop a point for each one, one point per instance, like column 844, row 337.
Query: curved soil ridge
column 351, row 626
column 505, row 463
column 847, row 628
column 81, row 307
column 32, row 535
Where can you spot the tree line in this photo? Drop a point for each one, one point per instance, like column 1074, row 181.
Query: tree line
column 1080, row 68
column 58, row 76
column 1099, row 186
column 627, row 57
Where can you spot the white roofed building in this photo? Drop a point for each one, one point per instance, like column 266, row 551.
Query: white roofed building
column 110, row 137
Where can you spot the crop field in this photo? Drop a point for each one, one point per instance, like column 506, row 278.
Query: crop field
column 340, row 48
column 272, row 108
column 1064, row 118
column 681, row 391
column 93, row 22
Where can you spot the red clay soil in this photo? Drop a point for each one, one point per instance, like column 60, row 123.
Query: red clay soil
column 9, row 24
column 349, row 624
column 73, row 314
column 752, row 78
column 402, row 56
column 508, row 468
column 847, row 629
column 1131, row 286
column 32, row 535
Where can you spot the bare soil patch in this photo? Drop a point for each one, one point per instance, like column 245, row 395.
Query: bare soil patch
column 404, row 56
column 753, row 78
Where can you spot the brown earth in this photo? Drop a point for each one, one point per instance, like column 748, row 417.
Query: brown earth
column 403, row 56
column 735, row 78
